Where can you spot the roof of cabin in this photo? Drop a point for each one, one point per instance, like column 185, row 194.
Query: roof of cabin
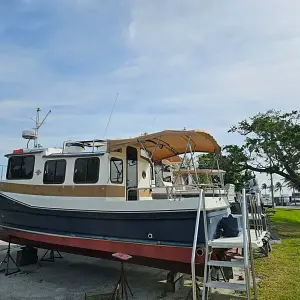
column 169, row 143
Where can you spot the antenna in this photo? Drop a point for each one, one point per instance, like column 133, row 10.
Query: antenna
column 38, row 125
column 153, row 123
column 110, row 115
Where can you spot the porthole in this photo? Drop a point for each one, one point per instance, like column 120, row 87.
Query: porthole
column 144, row 174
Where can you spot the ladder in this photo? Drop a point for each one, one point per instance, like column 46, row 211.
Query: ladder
column 244, row 241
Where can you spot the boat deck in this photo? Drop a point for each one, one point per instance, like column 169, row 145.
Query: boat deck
column 237, row 242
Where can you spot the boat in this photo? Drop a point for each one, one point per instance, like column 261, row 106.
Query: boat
column 94, row 198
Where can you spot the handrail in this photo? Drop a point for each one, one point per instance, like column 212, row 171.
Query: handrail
column 246, row 239
column 171, row 190
column 200, row 204
column 206, row 250
column 256, row 214
column 156, row 187
column 260, row 213
column 2, row 167
column 252, row 211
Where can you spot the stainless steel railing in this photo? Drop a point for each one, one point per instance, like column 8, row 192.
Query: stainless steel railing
column 171, row 192
column 2, row 171
column 255, row 210
column 246, row 239
column 201, row 205
column 177, row 191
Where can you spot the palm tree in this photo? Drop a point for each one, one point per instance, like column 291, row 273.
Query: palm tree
column 290, row 185
column 278, row 187
column 264, row 187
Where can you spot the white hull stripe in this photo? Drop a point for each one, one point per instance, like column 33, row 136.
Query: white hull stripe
column 114, row 205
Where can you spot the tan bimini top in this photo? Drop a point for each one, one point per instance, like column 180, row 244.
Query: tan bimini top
column 169, row 143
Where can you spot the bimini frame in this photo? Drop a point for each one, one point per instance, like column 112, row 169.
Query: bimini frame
column 170, row 143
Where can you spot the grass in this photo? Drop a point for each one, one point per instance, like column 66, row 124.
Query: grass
column 280, row 272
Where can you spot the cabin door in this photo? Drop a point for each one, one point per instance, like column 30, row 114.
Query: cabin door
column 132, row 173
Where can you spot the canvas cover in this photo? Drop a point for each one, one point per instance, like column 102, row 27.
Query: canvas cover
column 168, row 143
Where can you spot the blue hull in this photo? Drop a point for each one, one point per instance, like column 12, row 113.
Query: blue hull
column 162, row 228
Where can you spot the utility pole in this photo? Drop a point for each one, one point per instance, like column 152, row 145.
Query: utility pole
column 272, row 189
column 272, row 185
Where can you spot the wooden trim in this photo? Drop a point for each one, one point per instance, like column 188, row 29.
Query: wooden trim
column 64, row 190
column 145, row 193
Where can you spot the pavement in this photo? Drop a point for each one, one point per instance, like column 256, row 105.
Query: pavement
column 4, row 245
column 293, row 206
column 73, row 276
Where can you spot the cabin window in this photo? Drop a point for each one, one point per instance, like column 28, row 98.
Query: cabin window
column 54, row 171
column 116, row 170
column 86, row 170
column 20, row 167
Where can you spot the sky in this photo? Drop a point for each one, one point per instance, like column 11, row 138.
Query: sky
column 195, row 64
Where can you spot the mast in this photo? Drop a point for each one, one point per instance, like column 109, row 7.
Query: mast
column 36, row 129
column 38, row 125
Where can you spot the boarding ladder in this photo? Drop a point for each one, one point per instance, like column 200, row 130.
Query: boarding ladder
column 248, row 240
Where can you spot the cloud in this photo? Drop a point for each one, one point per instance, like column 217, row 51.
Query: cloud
column 232, row 49
column 192, row 64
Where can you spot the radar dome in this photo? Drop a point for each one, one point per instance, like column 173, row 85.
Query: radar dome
column 29, row 135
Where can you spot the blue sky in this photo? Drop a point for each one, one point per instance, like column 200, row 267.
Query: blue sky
column 194, row 64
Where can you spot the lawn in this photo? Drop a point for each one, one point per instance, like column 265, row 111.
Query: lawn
column 280, row 272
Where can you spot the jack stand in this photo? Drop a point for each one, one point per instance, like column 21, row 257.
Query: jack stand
column 6, row 260
column 190, row 293
column 51, row 256
column 122, row 285
column 216, row 271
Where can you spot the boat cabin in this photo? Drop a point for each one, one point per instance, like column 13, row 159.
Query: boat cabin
column 115, row 169
column 75, row 171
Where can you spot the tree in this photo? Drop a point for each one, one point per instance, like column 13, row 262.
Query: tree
column 271, row 145
column 264, row 187
column 237, row 177
column 290, row 185
column 278, row 187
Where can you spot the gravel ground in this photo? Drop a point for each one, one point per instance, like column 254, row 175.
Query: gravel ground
column 71, row 277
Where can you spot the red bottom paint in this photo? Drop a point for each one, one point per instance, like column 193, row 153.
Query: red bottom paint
column 173, row 258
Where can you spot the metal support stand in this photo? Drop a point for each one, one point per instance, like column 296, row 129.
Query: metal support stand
column 266, row 248
column 218, row 270
column 122, row 287
column 6, row 261
column 190, row 293
column 51, row 257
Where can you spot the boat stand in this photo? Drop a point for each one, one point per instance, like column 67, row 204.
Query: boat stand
column 122, row 287
column 51, row 256
column 190, row 293
column 6, row 261
column 217, row 270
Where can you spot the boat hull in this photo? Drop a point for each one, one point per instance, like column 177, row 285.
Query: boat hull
column 156, row 238
column 176, row 259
